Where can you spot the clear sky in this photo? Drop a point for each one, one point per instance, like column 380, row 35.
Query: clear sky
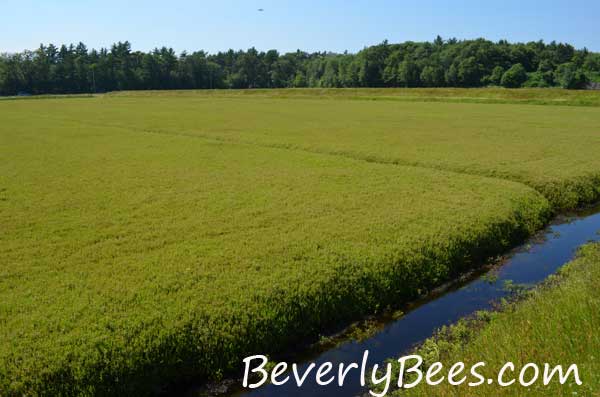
column 334, row 25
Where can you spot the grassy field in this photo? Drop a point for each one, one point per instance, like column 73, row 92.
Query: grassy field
column 535, row 145
column 557, row 324
column 153, row 238
column 549, row 96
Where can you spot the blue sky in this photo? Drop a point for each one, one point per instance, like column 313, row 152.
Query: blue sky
column 288, row 25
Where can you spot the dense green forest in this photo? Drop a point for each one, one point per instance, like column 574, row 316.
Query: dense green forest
column 441, row 63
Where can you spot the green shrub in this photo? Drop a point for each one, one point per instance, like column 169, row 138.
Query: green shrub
column 514, row 77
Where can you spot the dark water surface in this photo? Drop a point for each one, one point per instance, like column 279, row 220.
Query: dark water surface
column 527, row 265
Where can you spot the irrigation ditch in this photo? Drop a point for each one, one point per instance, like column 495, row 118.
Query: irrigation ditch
column 397, row 332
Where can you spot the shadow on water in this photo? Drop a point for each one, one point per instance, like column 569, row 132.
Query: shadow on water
column 391, row 336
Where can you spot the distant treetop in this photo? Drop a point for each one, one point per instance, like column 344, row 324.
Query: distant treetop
column 441, row 63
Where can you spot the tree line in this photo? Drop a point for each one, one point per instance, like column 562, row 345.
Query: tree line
column 441, row 63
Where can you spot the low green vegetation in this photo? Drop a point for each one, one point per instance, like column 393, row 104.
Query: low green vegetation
column 551, row 148
column 556, row 324
column 529, row 96
column 149, row 239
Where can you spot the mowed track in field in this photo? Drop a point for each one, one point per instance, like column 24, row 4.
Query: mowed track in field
column 148, row 240
column 551, row 148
